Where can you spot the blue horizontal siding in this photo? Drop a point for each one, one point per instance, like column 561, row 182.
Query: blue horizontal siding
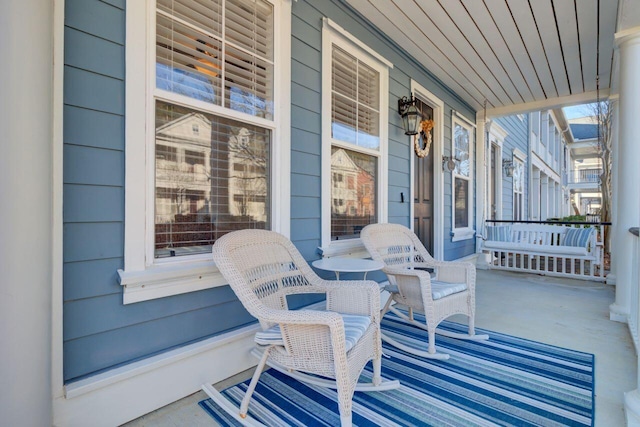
column 304, row 185
column 306, row 141
column 88, row 279
column 305, row 75
column 91, row 203
column 305, row 98
column 88, row 165
column 90, row 53
column 119, row 346
column 93, row 91
column 91, row 241
column 95, row 17
column 92, row 128
column 305, row 207
column 305, row 163
column 108, row 314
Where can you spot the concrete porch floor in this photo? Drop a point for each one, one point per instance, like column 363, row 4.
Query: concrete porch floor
column 563, row 312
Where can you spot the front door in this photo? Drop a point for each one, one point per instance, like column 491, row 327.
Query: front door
column 423, row 188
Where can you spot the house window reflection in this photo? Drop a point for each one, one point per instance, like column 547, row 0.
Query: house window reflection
column 353, row 191
column 207, row 183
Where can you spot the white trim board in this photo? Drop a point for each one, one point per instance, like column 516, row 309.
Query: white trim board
column 57, row 381
column 125, row 393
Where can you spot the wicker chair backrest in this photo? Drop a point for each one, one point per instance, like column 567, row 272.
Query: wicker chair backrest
column 395, row 245
column 262, row 268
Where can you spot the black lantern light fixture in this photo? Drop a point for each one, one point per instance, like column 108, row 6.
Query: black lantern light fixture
column 410, row 115
column 508, row 167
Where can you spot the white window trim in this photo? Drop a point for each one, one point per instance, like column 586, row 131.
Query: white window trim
column 497, row 135
column 144, row 278
column 520, row 160
column 462, row 233
column 332, row 33
column 437, row 104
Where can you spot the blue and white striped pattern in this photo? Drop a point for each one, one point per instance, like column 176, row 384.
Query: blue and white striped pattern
column 578, row 237
column 503, row 381
column 442, row 289
column 499, row 233
column 354, row 328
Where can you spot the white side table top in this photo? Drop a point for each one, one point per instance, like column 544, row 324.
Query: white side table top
column 347, row 265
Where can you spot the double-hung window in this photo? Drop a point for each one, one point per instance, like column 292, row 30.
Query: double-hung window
column 518, row 190
column 207, row 124
column 462, row 179
column 354, row 140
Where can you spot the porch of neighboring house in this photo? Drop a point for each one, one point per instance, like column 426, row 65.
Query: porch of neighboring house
column 558, row 311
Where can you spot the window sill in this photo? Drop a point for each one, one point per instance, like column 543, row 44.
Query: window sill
column 346, row 248
column 462, row 234
column 161, row 281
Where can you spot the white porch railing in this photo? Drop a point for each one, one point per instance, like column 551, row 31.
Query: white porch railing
column 580, row 176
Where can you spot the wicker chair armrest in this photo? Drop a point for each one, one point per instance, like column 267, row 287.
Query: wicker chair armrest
column 355, row 297
column 412, row 284
column 299, row 317
column 307, row 333
column 456, row 272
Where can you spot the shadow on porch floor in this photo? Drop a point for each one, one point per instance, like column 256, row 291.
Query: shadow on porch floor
column 563, row 312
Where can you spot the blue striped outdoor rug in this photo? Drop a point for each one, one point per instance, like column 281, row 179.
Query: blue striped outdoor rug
column 505, row 381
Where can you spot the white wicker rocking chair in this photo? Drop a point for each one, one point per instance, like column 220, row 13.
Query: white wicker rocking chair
column 263, row 268
column 451, row 291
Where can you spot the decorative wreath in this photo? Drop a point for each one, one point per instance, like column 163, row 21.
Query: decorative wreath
column 425, row 133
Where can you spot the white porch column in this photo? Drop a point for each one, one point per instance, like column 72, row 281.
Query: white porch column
column 544, row 197
column 535, row 194
column 612, row 276
column 481, row 176
column 628, row 201
column 628, row 184
column 26, row 33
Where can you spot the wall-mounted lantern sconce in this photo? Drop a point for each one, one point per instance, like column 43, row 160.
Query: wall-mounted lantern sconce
column 410, row 115
column 508, row 167
column 449, row 163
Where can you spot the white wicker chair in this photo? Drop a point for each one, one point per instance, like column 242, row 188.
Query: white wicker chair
column 263, row 268
column 451, row 291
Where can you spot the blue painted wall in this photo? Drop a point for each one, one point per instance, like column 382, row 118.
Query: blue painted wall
column 518, row 137
column 99, row 331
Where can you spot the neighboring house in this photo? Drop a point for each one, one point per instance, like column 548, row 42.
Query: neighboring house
column 549, row 196
column 527, row 166
column 586, row 166
column 508, row 168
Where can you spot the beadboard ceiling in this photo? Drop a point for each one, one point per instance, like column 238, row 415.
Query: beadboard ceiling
column 511, row 53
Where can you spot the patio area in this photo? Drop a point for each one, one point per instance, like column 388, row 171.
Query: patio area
column 562, row 312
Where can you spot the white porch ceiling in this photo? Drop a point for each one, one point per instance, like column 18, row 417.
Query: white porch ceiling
column 511, row 53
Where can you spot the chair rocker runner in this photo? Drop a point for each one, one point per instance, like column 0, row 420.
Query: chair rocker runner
column 323, row 348
column 451, row 291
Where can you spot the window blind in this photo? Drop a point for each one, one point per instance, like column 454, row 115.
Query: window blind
column 201, row 43
column 355, row 100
